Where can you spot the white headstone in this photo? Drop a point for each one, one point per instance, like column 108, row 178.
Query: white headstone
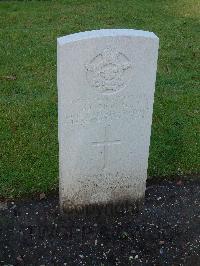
column 106, row 81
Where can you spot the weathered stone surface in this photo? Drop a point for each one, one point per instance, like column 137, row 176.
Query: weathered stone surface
column 106, row 81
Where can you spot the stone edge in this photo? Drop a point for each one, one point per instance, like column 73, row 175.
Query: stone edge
column 105, row 33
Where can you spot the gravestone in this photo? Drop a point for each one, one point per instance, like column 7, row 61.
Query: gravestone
column 106, row 81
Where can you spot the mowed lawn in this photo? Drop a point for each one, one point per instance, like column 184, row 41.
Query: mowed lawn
column 28, row 93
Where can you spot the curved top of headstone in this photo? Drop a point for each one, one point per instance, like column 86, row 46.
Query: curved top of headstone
column 105, row 33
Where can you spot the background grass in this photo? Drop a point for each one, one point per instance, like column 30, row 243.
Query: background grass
column 28, row 93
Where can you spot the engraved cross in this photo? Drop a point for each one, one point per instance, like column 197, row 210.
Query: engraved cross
column 106, row 143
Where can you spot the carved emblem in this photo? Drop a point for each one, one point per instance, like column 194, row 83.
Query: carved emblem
column 108, row 72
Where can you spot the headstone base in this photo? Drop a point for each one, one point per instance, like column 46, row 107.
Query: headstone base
column 106, row 209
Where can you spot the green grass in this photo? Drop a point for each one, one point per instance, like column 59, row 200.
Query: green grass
column 28, row 93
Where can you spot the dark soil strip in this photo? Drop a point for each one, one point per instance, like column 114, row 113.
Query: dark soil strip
column 165, row 232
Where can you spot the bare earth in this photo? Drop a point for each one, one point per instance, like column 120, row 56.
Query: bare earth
column 165, row 232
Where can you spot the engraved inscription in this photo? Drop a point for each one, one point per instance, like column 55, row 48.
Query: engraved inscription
column 106, row 143
column 108, row 72
column 123, row 107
